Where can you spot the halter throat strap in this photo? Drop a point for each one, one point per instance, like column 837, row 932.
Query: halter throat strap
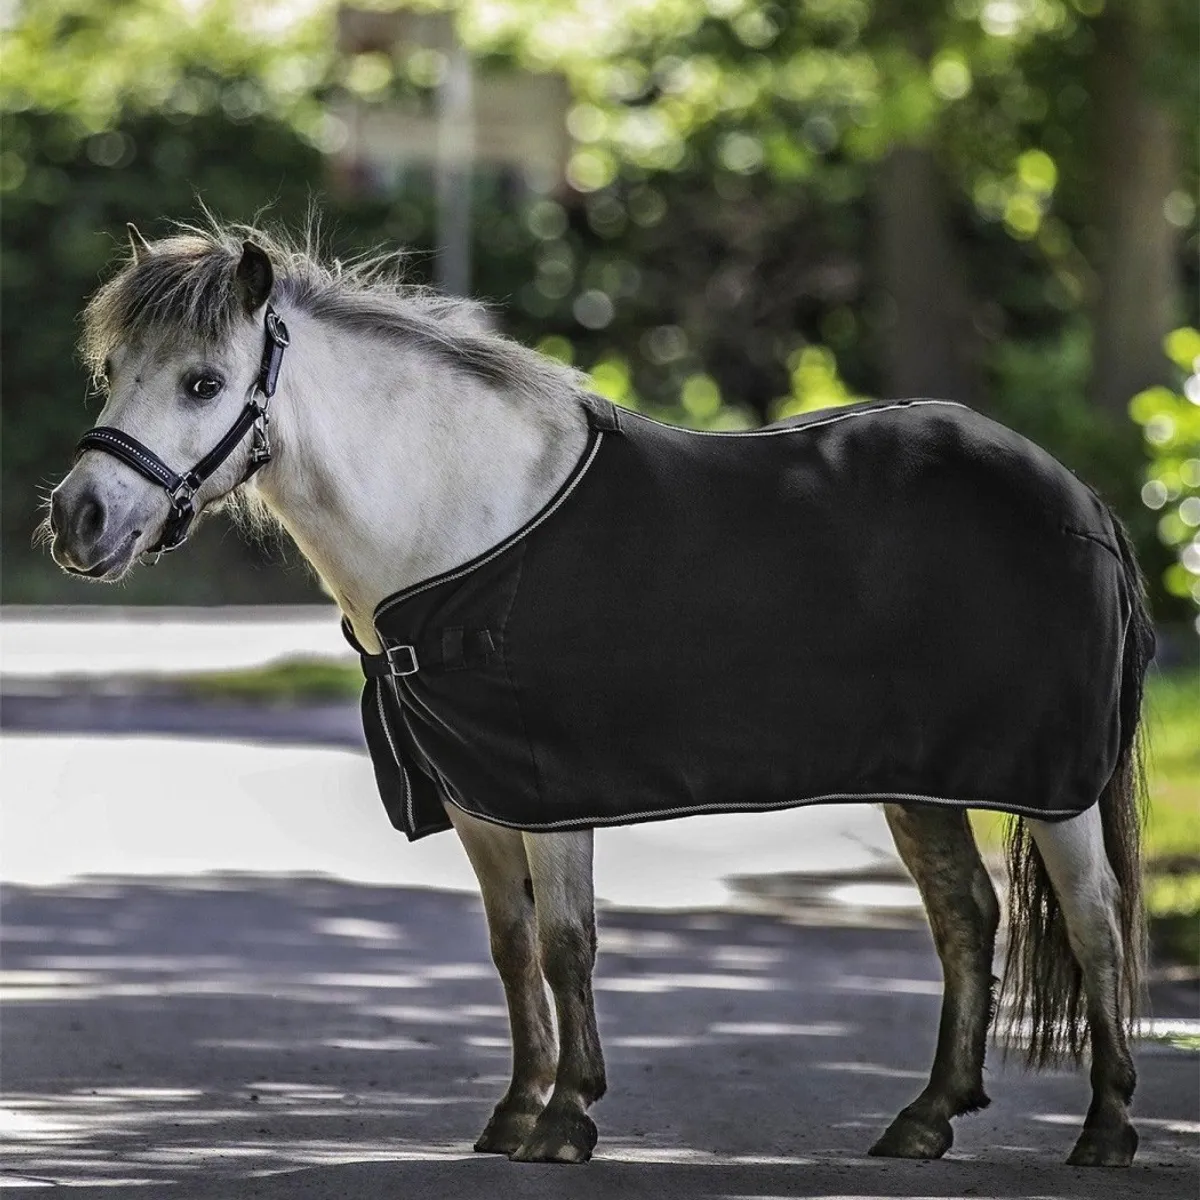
column 182, row 487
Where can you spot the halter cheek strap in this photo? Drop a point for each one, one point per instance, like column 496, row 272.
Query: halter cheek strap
column 182, row 488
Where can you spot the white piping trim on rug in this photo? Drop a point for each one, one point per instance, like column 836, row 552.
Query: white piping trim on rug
column 512, row 540
column 693, row 810
column 776, row 432
column 387, row 729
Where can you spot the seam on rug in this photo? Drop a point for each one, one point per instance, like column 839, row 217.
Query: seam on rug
column 1083, row 535
column 537, row 771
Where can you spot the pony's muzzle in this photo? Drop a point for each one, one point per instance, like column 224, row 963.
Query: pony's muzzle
column 87, row 540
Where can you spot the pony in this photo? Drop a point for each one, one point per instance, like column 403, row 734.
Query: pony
column 407, row 438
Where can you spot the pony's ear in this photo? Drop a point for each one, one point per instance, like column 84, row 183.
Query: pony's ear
column 255, row 277
column 137, row 243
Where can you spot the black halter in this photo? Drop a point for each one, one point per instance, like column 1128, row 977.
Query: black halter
column 182, row 488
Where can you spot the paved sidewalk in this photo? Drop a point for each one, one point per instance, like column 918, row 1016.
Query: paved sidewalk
column 140, row 804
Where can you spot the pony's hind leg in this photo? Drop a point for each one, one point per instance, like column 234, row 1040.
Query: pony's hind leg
column 560, row 866
column 1074, row 855
column 498, row 857
column 939, row 850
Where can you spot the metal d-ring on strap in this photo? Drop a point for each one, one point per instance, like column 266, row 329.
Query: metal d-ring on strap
column 182, row 488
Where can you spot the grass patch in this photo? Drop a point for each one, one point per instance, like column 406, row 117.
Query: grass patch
column 1173, row 766
column 290, row 681
column 1172, row 774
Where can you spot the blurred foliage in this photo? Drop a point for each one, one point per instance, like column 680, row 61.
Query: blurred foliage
column 1173, row 764
column 710, row 260
column 1170, row 421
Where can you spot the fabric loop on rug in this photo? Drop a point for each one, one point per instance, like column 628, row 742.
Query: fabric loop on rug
column 462, row 649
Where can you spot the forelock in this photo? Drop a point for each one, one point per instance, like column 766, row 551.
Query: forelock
column 184, row 288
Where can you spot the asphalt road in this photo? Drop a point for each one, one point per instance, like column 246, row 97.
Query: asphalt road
column 233, row 1036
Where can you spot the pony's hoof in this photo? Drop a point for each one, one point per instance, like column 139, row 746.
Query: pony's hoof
column 507, row 1129
column 559, row 1138
column 511, row 1122
column 907, row 1137
column 1105, row 1147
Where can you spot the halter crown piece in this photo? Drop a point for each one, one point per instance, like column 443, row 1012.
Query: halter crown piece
column 182, row 488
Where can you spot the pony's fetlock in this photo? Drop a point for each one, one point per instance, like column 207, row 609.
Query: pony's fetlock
column 973, row 1102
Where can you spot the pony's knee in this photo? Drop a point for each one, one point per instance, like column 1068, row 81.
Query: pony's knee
column 568, row 954
column 514, row 950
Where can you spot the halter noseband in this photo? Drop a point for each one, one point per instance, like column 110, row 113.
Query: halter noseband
column 182, row 488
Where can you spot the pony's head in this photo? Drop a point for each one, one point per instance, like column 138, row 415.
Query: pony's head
column 176, row 338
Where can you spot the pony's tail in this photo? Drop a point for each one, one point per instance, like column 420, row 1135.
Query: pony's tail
column 1042, row 982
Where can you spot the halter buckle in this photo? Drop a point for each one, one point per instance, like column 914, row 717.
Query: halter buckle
column 260, row 440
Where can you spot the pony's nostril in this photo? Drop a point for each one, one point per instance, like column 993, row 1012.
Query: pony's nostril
column 90, row 518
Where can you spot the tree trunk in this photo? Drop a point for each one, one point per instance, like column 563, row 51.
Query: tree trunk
column 929, row 344
column 1134, row 254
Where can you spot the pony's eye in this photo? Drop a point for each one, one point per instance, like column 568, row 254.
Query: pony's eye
column 205, row 386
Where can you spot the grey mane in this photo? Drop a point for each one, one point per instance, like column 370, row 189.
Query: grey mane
column 185, row 286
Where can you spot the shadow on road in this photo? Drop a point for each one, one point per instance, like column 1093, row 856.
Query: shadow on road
column 236, row 1036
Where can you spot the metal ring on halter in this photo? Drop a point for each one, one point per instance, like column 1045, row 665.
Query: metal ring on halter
column 182, row 495
column 182, row 488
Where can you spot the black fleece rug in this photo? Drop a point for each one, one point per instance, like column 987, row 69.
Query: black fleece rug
column 899, row 600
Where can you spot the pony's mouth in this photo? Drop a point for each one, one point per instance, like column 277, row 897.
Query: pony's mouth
column 110, row 568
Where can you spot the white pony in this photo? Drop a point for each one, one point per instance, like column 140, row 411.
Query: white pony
column 408, row 439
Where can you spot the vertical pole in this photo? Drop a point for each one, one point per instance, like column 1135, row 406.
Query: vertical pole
column 455, row 155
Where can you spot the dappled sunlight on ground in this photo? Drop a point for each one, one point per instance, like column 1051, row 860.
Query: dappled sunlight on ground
column 233, row 1036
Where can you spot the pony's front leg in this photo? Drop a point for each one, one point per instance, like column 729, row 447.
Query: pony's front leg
column 560, row 865
column 498, row 857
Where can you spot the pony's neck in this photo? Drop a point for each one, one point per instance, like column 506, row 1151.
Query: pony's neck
column 392, row 465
